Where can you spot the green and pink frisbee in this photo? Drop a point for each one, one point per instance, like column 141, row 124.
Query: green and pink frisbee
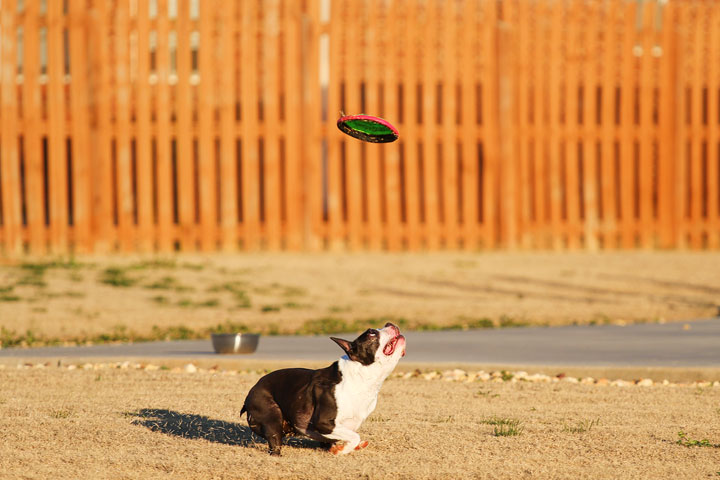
column 368, row 128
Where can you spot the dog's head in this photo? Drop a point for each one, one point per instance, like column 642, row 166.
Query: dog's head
column 383, row 346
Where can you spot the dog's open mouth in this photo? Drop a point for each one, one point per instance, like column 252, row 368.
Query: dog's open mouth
column 390, row 347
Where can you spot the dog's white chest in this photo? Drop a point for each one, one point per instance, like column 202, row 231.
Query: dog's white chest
column 357, row 393
column 355, row 402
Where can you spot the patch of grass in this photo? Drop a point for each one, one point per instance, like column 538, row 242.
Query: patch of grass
column 687, row 442
column 192, row 266
column 167, row 283
column 117, row 277
column 189, row 303
column 360, row 324
column 509, row 322
column 155, row 264
column 506, row 427
column 294, row 305
column 160, row 299
column 270, row 308
column 582, row 426
column 323, row 326
column 229, row 327
column 4, row 297
column 173, row 333
column 237, row 289
column 506, row 376
column 339, row 309
column 76, row 277
column 290, row 291
column 61, row 413
column 486, row 394
column 33, row 278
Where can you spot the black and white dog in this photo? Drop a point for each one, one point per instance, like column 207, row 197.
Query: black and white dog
column 328, row 404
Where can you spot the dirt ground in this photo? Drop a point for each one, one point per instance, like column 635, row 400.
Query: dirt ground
column 138, row 424
column 83, row 298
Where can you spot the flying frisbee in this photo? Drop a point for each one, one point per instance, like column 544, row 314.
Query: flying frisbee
column 367, row 128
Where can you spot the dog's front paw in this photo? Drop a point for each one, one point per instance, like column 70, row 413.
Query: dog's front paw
column 362, row 445
column 342, row 448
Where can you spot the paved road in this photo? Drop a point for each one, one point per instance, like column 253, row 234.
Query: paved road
column 668, row 345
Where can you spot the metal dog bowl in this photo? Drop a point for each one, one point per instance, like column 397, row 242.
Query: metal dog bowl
column 235, row 342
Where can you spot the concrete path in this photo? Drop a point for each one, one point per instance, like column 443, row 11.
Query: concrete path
column 691, row 344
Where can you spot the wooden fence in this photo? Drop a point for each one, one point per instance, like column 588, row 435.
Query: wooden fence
column 141, row 125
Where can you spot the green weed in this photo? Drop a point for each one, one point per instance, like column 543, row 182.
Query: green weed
column 167, row 283
column 582, row 426
column 687, row 442
column 117, row 277
column 61, row 413
column 237, row 289
column 504, row 427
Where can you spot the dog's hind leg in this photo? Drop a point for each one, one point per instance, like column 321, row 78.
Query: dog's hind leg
column 268, row 423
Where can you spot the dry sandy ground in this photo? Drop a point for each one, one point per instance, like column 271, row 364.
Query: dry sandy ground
column 139, row 424
column 281, row 292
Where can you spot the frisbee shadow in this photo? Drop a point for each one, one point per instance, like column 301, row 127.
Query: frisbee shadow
column 194, row 427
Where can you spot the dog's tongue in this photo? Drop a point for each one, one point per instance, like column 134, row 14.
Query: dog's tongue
column 390, row 347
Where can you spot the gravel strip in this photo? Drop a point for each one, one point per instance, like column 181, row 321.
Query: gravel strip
column 455, row 375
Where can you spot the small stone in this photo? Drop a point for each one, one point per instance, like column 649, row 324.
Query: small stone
column 645, row 382
column 588, row 381
column 190, row 368
column 603, row 382
column 87, row 366
column 620, row 383
column 152, row 367
column 570, row 380
column 716, row 383
column 72, row 367
column 483, row 376
column 431, row 375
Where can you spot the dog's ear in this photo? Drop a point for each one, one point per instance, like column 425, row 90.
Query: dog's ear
column 344, row 344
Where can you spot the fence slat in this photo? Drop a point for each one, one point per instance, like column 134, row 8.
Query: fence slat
column 9, row 154
column 296, row 164
column 391, row 33
column 428, row 139
column 667, row 144
column 185, row 141
column 713, row 148
column 371, row 153
column 57, row 151
column 163, row 151
column 125, row 198
column 627, row 126
column 226, row 65
column 143, row 142
column 449, row 144
column 207, row 180
column 102, row 186
column 249, row 116
column 314, row 106
column 35, row 200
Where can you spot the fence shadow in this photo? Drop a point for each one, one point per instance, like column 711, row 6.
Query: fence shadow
column 191, row 426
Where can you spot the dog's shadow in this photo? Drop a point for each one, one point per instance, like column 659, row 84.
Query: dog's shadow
column 191, row 426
